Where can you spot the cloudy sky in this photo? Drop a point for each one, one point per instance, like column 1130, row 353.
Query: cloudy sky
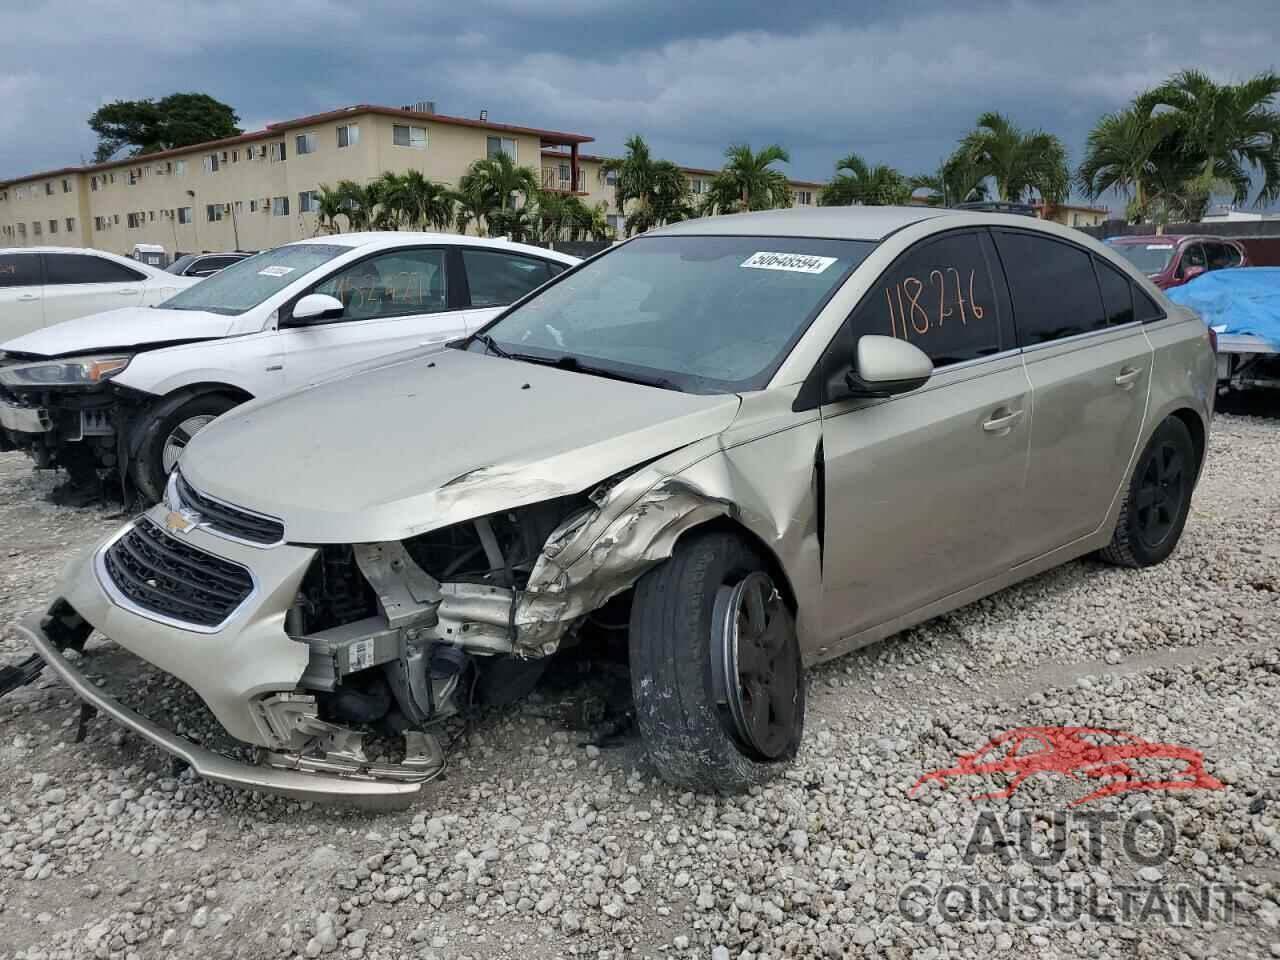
column 898, row 81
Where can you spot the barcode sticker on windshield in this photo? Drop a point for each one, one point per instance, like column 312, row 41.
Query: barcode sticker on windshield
column 275, row 271
column 1159, row 246
column 793, row 262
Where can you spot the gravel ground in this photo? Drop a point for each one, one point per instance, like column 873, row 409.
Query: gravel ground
column 536, row 844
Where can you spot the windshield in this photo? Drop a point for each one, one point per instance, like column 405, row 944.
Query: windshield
column 244, row 285
column 705, row 314
column 180, row 264
column 1150, row 258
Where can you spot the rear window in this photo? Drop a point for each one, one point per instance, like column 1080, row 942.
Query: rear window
column 244, row 285
column 1117, row 294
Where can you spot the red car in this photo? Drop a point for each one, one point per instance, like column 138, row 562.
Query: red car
column 1172, row 260
column 1080, row 753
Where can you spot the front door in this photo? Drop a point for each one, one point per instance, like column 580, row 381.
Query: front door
column 21, row 294
column 1089, row 364
column 923, row 490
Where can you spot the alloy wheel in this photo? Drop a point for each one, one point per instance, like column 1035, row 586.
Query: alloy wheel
column 1160, row 494
column 179, row 437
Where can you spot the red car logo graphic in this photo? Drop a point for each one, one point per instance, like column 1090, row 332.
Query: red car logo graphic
column 1090, row 753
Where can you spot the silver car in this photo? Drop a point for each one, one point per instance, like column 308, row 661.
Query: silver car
column 753, row 442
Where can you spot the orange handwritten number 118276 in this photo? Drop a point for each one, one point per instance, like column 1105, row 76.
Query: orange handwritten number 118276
column 906, row 309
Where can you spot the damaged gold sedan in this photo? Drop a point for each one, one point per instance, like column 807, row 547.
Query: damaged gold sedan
column 771, row 438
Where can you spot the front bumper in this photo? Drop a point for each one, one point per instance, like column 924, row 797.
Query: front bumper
column 24, row 419
column 292, row 783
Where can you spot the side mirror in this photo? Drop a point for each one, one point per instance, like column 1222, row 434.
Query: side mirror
column 882, row 367
column 1190, row 273
column 316, row 307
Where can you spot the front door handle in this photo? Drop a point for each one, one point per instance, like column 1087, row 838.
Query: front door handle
column 1002, row 422
column 27, row 297
column 1127, row 376
column 129, row 292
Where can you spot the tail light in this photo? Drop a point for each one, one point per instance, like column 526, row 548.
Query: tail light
column 1213, row 339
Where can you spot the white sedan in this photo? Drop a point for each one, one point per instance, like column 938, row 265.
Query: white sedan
column 128, row 389
column 41, row 286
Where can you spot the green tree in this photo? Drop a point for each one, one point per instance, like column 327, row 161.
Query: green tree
column 412, row 200
column 149, row 126
column 957, row 180
column 329, row 206
column 1019, row 162
column 648, row 192
column 856, row 182
column 1118, row 155
column 359, row 203
column 500, row 188
column 748, row 181
column 1231, row 130
column 469, row 208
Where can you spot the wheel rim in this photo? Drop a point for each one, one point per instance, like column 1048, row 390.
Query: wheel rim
column 754, row 666
column 1160, row 494
column 179, row 437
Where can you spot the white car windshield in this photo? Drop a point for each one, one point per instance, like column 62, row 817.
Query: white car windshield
column 703, row 314
column 244, row 285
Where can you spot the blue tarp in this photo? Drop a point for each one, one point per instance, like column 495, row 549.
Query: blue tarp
column 1239, row 301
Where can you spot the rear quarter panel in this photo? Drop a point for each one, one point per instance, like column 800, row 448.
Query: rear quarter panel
column 1184, row 368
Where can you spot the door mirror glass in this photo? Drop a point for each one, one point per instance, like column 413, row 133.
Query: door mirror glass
column 317, row 307
column 882, row 367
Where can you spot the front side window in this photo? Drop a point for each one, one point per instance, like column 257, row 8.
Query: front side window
column 403, row 135
column 67, row 268
column 244, row 285
column 397, row 284
column 497, row 145
column 1117, row 293
column 305, row 143
column 1052, row 285
column 940, row 296
column 707, row 314
column 1192, row 256
column 497, row 279
column 19, row 269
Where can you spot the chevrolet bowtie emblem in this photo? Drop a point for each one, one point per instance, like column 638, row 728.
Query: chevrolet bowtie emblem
column 181, row 521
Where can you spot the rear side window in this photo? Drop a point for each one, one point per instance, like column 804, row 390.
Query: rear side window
column 1144, row 308
column 1222, row 255
column 1054, row 291
column 76, row 268
column 497, row 279
column 1117, row 293
column 1192, row 256
column 939, row 295
column 19, row 269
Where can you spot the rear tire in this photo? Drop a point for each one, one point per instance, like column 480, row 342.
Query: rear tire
column 1157, row 499
column 709, row 612
column 165, row 430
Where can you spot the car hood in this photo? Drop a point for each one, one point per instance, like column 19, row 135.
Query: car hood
column 127, row 328
column 421, row 443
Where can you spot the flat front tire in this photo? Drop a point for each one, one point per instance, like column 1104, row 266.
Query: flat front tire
column 1157, row 500
column 715, row 667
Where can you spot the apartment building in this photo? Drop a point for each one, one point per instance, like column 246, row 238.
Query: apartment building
column 255, row 190
column 593, row 188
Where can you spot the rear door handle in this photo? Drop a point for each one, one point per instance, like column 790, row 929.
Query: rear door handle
column 1127, row 376
column 127, row 292
column 27, row 297
column 1004, row 423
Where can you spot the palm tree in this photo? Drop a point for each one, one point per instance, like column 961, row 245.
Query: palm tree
column 329, row 207
column 419, row 202
column 358, row 203
column 1019, row 162
column 1230, row 129
column 871, row 186
column 1118, row 155
column 957, row 180
column 469, row 207
column 748, row 181
column 597, row 224
column 500, row 187
column 656, row 191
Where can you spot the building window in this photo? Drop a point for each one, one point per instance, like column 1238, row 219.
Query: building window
column 134, row 175
column 308, row 201
column 279, row 206
column 71, row 224
column 184, row 214
column 93, row 184
column 618, row 222
column 406, row 136
column 697, row 186
column 497, row 145
column 53, row 226
column 22, row 193
column 115, row 218
column 66, row 185
column 211, row 163
column 238, row 206
column 611, row 178
column 35, row 228
column 348, row 135
column 151, row 216
column 278, row 154
column 253, row 206
column 22, row 229
column 99, row 223
column 136, row 220
column 48, row 189
column 213, row 211
column 235, row 156
column 804, row 198
column 305, row 143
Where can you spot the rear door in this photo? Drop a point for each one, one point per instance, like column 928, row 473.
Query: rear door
column 1090, row 370
column 496, row 279
column 76, row 284
column 923, row 490
column 395, row 300
column 21, row 294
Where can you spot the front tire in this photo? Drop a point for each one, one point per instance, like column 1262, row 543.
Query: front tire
column 1157, row 500
column 165, row 430
column 715, row 667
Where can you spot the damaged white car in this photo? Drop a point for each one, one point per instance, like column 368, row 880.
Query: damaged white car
column 771, row 438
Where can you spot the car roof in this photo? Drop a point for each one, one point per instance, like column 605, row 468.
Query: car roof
column 88, row 250
column 1168, row 238
column 837, row 223
column 386, row 239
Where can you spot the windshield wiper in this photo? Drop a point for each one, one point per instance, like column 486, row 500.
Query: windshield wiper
column 491, row 344
column 569, row 362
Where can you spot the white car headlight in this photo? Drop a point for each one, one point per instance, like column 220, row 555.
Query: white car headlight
column 65, row 372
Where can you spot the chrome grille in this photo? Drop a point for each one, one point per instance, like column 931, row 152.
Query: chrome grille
column 166, row 576
column 231, row 521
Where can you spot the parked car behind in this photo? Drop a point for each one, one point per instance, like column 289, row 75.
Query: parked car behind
column 42, row 286
column 1172, row 260
column 128, row 389
column 763, row 439
column 205, row 264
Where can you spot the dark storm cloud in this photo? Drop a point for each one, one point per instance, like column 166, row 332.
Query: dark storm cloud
column 898, row 82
